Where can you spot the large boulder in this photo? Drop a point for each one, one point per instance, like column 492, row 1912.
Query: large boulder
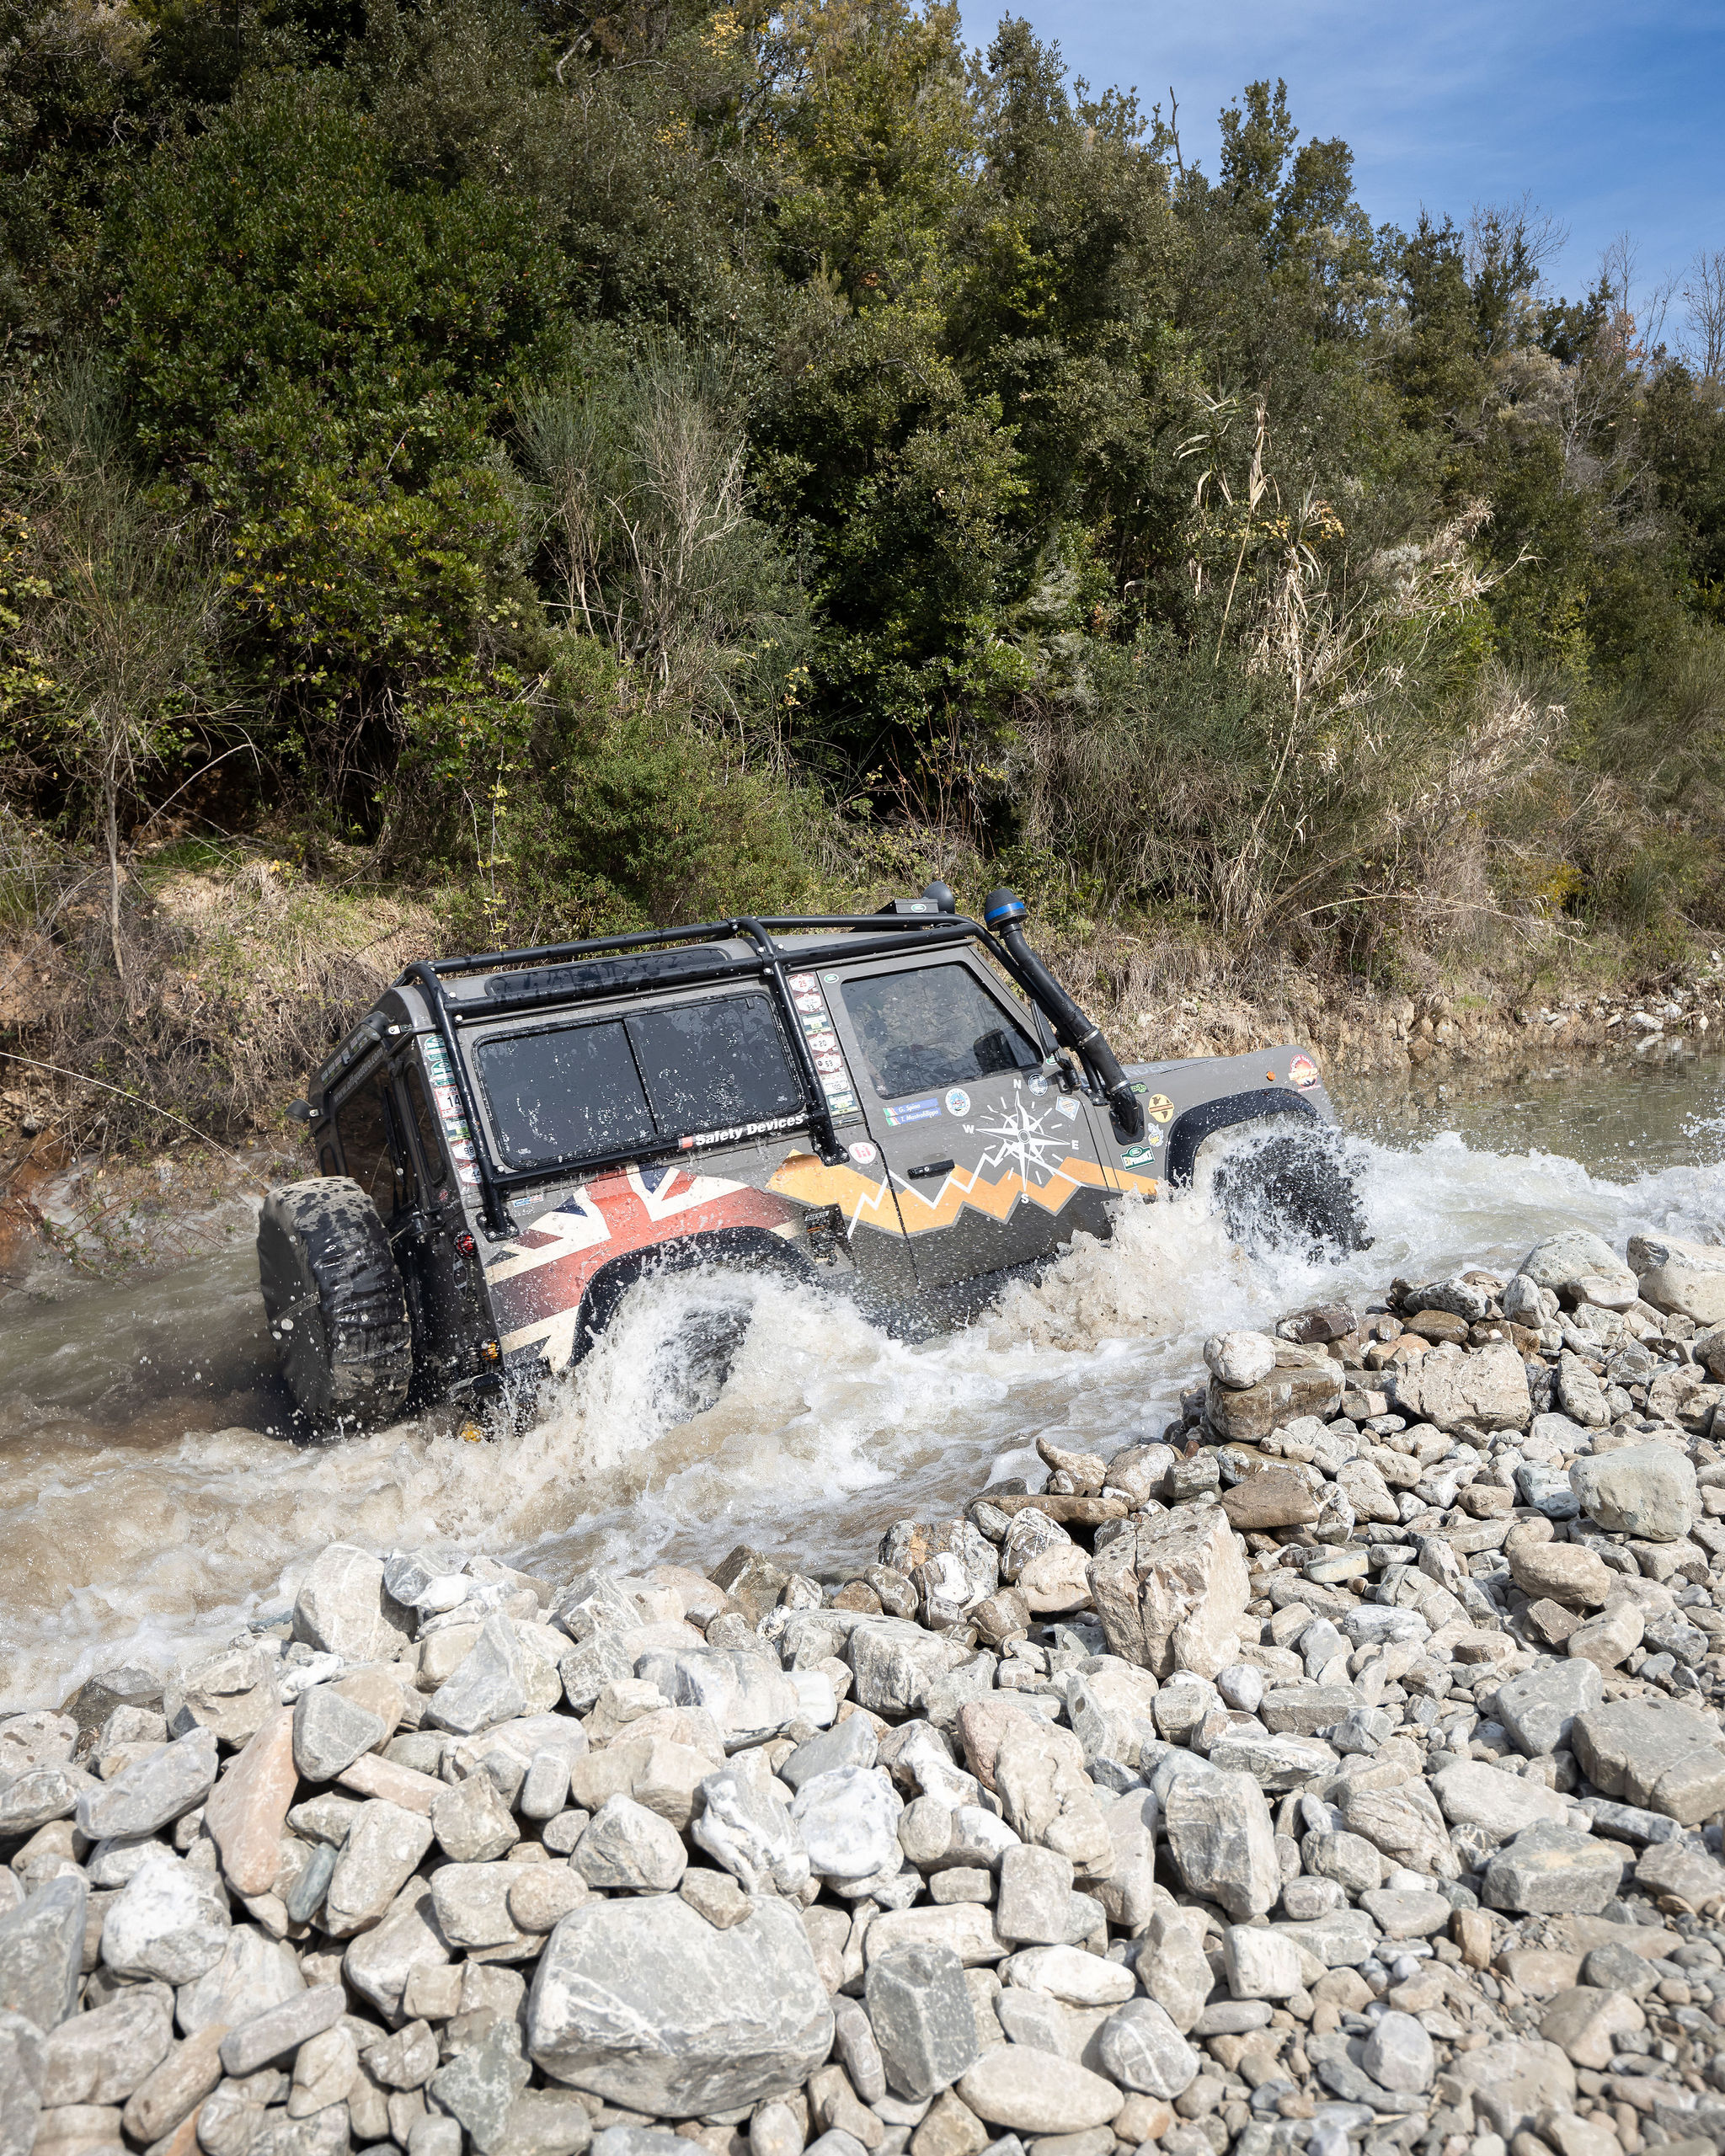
column 1688, row 1279
column 1245, row 1414
column 1487, row 1387
column 344, row 1608
column 1170, row 1592
column 1660, row 1756
column 644, row 2003
column 1646, row 1490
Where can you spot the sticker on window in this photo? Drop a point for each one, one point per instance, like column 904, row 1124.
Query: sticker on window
column 913, row 1111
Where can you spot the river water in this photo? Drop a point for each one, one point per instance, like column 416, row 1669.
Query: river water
column 142, row 1502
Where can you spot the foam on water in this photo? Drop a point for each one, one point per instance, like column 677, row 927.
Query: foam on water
column 128, row 1522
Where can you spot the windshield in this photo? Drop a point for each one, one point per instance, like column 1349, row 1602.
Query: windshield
column 619, row 1085
column 933, row 1026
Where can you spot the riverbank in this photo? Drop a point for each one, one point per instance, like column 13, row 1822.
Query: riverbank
column 1337, row 1766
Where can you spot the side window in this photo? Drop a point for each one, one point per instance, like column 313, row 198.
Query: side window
column 363, row 1125
column 934, row 1026
column 430, row 1144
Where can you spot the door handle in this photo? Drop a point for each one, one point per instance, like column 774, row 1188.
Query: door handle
column 930, row 1168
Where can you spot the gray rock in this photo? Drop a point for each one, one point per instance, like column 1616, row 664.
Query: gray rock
column 1140, row 2048
column 1647, row 1490
column 344, row 1608
column 472, row 1823
column 472, row 1901
column 1034, row 1905
column 848, row 1744
column 111, row 1864
column 748, row 1696
column 896, row 1665
column 1547, row 1489
column 41, row 1952
column 24, row 2063
column 1219, row 1833
column 1398, row 2055
column 101, row 2057
column 380, row 1961
column 748, row 1832
column 330, row 1732
column 1474, row 1794
column 1173, row 1968
column 1665, row 1756
column 383, row 1846
column 1579, row 1394
column 324, row 2133
column 1276, row 1763
column 1539, row 1707
column 1551, row 1871
column 848, row 1817
column 658, row 2141
column 405, row 2059
column 545, row 1787
column 498, row 1679
column 229, row 1692
column 546, row 2122
column 919, row 2009
column 254, row 1973
column 1032, row 2092
column 1239, row 1359
column 41, row 1796
column 647, row 2005
column 480, row 2085
column 280, row 2029
column 154, row 1793
column 599, row 1659
column 1405, row 1912
column 629, row 1848
column 1261, row 1963
column 858, row 2051
column 1575, row 1254
column 1619, row 1968
column 186, row 2075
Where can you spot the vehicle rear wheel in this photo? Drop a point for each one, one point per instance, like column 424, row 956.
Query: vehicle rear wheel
column 335, row 1301
column 1294, row 1190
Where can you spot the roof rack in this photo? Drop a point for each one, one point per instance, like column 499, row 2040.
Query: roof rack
column 563, row 979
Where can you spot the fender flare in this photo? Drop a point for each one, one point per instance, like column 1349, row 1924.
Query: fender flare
column 754, row 1247
column 1189, row 1129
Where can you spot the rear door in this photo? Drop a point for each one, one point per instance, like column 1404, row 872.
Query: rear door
column 993, row 1163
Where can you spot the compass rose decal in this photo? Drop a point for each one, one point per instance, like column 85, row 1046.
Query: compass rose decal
column 1020, row 1142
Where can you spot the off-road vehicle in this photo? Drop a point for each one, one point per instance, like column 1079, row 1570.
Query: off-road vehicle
column 905, row 1101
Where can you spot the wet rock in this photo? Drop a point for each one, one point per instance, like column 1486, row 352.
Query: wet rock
column 101, row 2057
column 344, row 1608
column 750, row 1833
column 1575, row 1254
column 254, row 1973
column 1031, row 2091
column 383, row 1846
column 1487, row 1388
column 1171, row 1593
column 1551, row 1870
column 154, row 1793
column 1219, row 1834
column 471, row 1822
column 629, row 1848
column 170, row 1921
column 648, row 2005
column 920, row 2015
column 1647, row 1490
column 1539, row 1707
column 41, row 1952
column 1398, row 2055
column 1140, row 2048
column 1285, row 1396
column 1239, row 1359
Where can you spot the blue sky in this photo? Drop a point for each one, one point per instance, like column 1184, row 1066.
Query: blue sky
column 1612, row 116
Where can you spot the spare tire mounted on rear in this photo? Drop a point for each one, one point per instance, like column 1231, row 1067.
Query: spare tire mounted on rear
column 334, row 1300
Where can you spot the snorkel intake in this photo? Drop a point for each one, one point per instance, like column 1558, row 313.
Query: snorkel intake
column 1003, row 913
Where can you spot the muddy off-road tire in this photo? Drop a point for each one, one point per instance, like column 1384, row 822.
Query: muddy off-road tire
column 335, row 1301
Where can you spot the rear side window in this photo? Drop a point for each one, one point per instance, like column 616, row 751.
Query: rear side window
column 430, row 1145
column 365, row 1143
column 933, row 1026
column 626, row 1084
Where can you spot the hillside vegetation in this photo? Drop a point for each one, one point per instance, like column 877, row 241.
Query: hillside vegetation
column 553, row 470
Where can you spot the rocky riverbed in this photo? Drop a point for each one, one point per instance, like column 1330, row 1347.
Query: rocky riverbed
column 1343, row 1772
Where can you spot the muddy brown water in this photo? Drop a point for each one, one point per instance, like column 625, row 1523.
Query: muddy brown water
column 143, row 1500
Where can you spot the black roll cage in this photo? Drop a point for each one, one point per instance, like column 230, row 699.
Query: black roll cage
column 867, row 936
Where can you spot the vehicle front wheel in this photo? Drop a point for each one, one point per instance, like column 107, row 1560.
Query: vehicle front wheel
column 1291, row 1190
column 335, row 1301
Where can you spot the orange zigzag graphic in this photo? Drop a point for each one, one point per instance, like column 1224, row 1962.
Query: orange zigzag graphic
column 803, row 1177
